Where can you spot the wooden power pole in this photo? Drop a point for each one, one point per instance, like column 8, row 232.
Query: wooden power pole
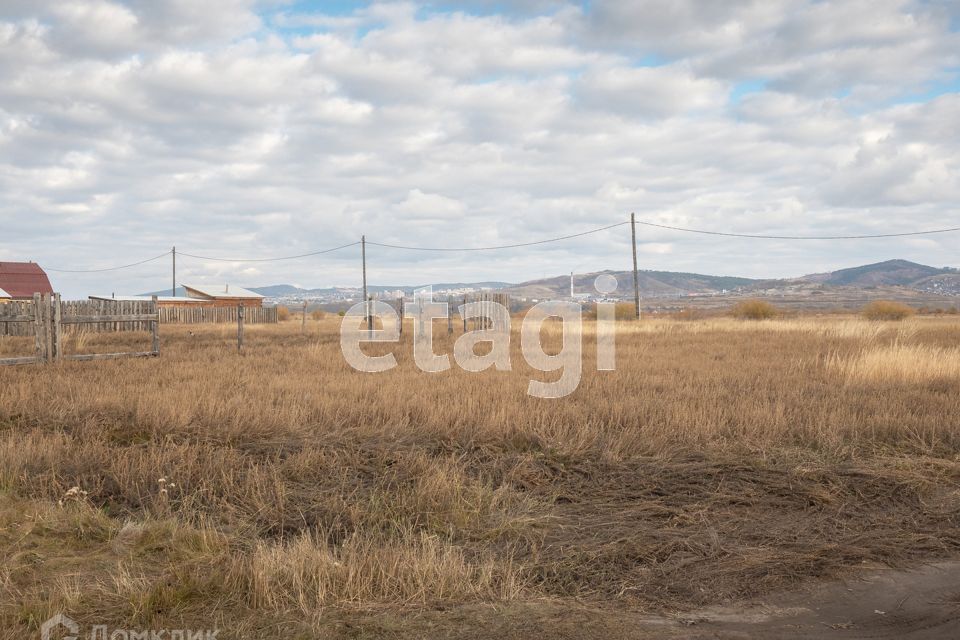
column 173, row 292
column 636, row 280
column 366, row 300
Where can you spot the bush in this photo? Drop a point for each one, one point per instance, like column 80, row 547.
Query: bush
column 886, row 310
column 754, row 310
column 318, row 314
column 283, row 314
column 625, row 311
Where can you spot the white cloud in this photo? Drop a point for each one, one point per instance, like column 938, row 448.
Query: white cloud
column 237, row 129
column 658, row 92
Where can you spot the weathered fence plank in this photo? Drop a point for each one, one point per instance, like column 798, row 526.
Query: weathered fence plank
column 195, row 314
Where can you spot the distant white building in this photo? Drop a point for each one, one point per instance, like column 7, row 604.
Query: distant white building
column 224, row 295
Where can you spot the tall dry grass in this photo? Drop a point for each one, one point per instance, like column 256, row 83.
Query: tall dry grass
column 902, row 363
column 308, row 573
column 293, row 483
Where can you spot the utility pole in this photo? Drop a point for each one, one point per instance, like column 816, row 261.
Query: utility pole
column 173, row 292
column 636, row 280
column 366, row 300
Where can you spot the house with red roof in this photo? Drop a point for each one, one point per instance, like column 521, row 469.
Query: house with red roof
column 20, row 280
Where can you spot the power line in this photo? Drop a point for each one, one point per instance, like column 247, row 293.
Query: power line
column 124, row 266
column 772, row 237
column 302, row 255
column 521, row 244
column 502, row 246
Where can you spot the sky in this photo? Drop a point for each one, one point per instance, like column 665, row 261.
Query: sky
column 244, row 129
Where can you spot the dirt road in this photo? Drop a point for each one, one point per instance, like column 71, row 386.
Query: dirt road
column 917, row 604
column 922, row 603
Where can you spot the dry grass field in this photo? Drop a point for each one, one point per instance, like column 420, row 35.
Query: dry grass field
column 281, row 494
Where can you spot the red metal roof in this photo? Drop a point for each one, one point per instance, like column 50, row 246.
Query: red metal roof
column 23, row 279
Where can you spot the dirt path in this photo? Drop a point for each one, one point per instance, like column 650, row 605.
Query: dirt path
column 916, row 604
column 919, row 604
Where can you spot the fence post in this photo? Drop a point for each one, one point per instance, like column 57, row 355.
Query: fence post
column 240, row 328
column 303, row 321
column 155, row 326
column 38, row 327
column 449, row 316
column 400, row 315
column 369, row 312
column 57, row 329
column 420, row 317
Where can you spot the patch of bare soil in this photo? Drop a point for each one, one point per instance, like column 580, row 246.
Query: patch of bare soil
column 917, row 604
column 920, row 604
column 668, row 534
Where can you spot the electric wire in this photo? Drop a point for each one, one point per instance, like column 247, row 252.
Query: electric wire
column 124, row 266
column 496, row 247
column 520, row 244
column 302, row 255
column 776, row 237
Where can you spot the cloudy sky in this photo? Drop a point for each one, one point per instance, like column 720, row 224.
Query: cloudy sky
column 243, row 129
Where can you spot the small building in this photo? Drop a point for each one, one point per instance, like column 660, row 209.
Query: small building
column 20, row 280
column 224, row 296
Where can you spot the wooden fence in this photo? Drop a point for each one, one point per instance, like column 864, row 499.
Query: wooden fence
column 81, row 308
column 16, row 318
column 487, row 300
column 488, row 310
column 168, row 315
column 47, row 319
column 195, row 314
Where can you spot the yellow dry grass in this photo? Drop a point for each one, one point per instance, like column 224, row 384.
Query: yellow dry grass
column 902, row 363
column 721, row 458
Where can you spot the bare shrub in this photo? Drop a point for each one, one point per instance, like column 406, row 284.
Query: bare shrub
column 622, row 311
column 625, row 311
column 283, row 314
column 887, row 310
column 754, row 310
column 318, row 314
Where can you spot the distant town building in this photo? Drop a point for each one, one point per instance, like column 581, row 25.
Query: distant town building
column 224, row 295
column 20, row 280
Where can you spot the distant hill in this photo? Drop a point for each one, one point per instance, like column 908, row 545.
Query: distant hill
column 275, row 290
column 889, row 273
column 289, row 290
column 908, row 276
column 281, row 290
column 652, row 283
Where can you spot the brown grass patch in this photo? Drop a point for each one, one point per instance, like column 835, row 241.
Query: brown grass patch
column 754, row 310
column 721, row 459
column 911, row 364
column 887, row 310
